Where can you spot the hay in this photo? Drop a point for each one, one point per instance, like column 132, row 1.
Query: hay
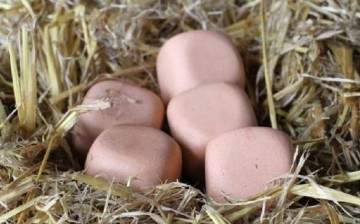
column 308, row 79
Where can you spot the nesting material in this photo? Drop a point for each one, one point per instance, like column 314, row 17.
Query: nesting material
column 200, row 114
column 129, row 105
column 241, row 163
column 194, row 58
column 311, row 49
column 142, row 156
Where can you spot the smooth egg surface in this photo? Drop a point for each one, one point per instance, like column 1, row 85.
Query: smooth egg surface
column 130, row 104
column 194, row 58
column 200, row 114
column 241, row 163
column 146, row 155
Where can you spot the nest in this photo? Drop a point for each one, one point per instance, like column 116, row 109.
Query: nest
column 302, row 59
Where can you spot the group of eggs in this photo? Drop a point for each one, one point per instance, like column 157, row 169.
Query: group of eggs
column 217, row 143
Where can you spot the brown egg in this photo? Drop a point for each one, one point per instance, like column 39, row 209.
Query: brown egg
column 130, row 105
column 130, row 151
column 242, row 162
column 194, row 58
column 198, row 115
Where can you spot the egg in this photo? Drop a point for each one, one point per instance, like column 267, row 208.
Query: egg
column 146, row 155
column 242, row 163
column 200, row 114
column 129, row 105
column 194, row 58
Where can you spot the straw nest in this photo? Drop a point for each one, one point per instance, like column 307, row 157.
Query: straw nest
column 302, row 60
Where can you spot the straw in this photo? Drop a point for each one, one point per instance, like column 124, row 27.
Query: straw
column 302, row 65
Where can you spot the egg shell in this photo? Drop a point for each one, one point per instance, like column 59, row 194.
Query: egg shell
column 241, row 163
column 200, row 114
column 194, row 58
column 130, row 151
column 130, row 104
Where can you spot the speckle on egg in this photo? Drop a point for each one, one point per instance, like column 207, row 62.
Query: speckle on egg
column 130, row 105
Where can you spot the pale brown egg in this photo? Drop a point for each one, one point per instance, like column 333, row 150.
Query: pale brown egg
column 144, row 154
column 200, row 114
column 241, row 163
column 129, row 105
column 194, row 58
